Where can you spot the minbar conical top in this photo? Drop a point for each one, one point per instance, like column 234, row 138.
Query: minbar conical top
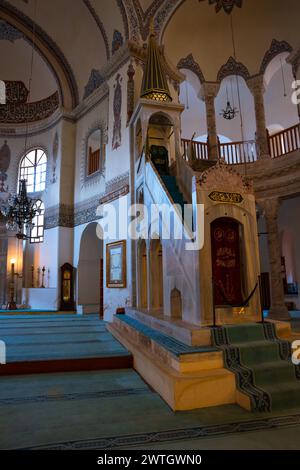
column 155, row 85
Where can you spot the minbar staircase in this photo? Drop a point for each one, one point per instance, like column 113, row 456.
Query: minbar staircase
column 262, row 365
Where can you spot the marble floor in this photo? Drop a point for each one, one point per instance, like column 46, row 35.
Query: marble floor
column 114, row 409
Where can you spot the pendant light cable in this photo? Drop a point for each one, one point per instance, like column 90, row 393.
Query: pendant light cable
column 30, row 73
column 238, row 85
column 283, row 79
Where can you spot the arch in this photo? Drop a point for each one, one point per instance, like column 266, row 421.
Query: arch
column 176, row 304
column 278, row 80
column 161, row 118
column 189, row 63
column 143, row 275
column 90, row 272
column 276, row 48
column 232, row 67
column 227, row 255
column 161, row 140
column 156, row 275
column 100, row 26
column 48, row 49
column 273, row 66
column 236, row 89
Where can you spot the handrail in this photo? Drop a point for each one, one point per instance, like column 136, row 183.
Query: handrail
column 241, row 152
column 236, row 153
column 285, row 141
column 199, row 150
column 243, row 304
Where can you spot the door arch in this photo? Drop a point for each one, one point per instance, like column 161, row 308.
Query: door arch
column 227, row 269
column 143, row 275
column 156, row 274
column 90, row 286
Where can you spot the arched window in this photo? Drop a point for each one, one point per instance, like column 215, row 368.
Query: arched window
column 37, row 232
column 33, row 169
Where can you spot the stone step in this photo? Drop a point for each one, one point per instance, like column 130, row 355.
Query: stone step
column 187, row 333
column 186, row 390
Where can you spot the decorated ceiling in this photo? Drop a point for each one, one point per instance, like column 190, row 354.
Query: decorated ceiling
column 76, row 38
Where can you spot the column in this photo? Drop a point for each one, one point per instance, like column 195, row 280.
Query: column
column 257, row 88
column 278, row 310
column 209, row 93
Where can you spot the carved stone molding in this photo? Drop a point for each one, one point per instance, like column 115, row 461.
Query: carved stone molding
column 70, row 216
column 277, row 47
column 226, row 5
column 189, row 63
column 232, row 67
column 224, row 178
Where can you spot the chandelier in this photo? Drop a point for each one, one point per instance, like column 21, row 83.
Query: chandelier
column 20, row 211
column 230, row 111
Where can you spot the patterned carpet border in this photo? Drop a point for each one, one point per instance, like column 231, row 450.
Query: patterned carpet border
column 76, row 396
column 260, row 400
column 161, row 437
column 285, row 347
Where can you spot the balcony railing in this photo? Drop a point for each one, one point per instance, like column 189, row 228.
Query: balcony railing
column 285, row 142
column 235, row 153
column 199, row 149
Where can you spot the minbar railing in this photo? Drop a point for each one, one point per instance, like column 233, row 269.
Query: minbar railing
column 285, row 142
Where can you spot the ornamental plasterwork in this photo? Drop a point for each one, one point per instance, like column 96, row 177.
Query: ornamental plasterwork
column 8, row 32
column 277, row 47
column 94, row 82
column 226, row 5
column 232, row 67
column 223, row 177
column 189, row 63
column 70, row 216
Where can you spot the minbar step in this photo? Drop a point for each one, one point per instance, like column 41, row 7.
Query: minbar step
column 67, row 365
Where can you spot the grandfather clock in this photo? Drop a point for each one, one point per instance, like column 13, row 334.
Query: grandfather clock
column 67, row 288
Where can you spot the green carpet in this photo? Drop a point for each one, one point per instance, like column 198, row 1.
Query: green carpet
column 262, row 365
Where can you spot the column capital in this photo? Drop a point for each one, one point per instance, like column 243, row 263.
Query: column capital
column 209, row 90
column 270, row 207
column 256, row 84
